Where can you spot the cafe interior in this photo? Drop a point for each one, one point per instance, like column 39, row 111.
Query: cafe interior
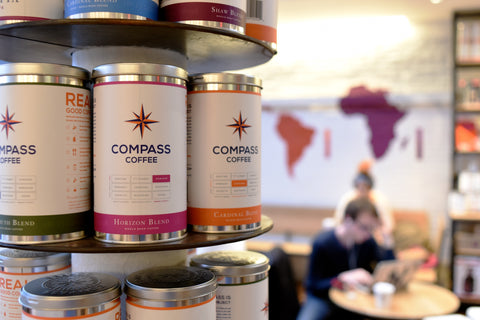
column 386, row 83
column 388, row 89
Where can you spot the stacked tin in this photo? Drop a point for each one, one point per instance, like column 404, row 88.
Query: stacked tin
column 181, row 293
column 139, row 152
column 19, row 267
column 224, row 152
column 242, row 283
column 44, row 177
column 94, row 296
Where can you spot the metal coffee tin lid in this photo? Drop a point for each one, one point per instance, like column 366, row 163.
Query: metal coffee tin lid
column 234, row 267
column 43, row 69
column 225, row 78
column 171, row 283
column 23, row 258
column 70, row 291
column 115, row 69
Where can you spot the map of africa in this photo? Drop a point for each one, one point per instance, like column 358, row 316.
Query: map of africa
column 380, row 115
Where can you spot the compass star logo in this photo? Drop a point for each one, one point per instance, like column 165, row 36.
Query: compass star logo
column 239, row 125
column 7, row 122
column 142, row 121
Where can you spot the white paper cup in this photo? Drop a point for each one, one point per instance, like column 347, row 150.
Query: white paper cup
column 383, row 292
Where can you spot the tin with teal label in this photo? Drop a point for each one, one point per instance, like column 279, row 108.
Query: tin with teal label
column 45, row 153
column 108, row 9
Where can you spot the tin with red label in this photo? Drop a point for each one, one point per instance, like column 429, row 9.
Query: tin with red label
column 19, row 267
column 139, row 152
column 79, row 295
column 224, row 152
column 221, row 14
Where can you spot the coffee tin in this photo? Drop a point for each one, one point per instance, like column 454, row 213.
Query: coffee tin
column 45, row 153
column 14, row 11
column 224, row 156
column 242, row 278
column 221, row 14
column 261, row 22
column 108, row 9
column 18, row 267
column 180, row 293
column 94, row 296
column 139, row 152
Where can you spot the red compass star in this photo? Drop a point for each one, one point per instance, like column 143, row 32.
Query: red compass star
column 239, row 125
column 7, row 122
column 142, row 121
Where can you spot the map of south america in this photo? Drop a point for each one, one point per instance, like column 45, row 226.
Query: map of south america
column 297, row 138
column 380, row 115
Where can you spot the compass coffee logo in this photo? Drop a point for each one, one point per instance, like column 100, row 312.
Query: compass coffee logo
column 146, row 152
column 11, row 153
column 237, row 153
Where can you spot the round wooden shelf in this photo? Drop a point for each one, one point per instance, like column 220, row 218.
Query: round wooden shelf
column 206, row 49
column 192, row 240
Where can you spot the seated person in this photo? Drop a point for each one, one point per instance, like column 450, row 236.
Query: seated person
column 345, row 255
column 363, row 184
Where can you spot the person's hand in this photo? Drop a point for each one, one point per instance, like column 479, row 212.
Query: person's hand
column 355, row 278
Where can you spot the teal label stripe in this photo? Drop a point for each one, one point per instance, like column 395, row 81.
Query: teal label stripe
column 45, row 225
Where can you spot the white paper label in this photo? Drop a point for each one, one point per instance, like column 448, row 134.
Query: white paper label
column 240, row 302
column 45, row 151
column 10, row 287
column 203, row 311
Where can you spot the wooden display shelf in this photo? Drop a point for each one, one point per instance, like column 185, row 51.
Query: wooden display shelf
column 467, row 216
column 192, row 240
column 205, row 49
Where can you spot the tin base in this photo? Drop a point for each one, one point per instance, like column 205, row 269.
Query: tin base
column 13, row 239
column 227, row 229
column 140, row 239
column 216, row 25
column 106, row 15
column 2, row 22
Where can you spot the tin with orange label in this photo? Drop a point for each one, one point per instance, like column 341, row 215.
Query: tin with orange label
column 224, row 152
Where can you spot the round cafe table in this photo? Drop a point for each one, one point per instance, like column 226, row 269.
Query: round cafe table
column 419, row 300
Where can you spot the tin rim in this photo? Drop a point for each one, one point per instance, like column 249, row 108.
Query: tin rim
column 15, row 258
column 43, row 69
column 41, row 239
column 215, row 24
column 238, row 266
column 225, row 78
column 227, row 229
column 38, row 294
column 200, row 289
column 140, row 239
column 153, row 69
column 106, row 15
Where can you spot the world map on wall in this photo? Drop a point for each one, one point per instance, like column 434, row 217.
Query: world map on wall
column 381, row 118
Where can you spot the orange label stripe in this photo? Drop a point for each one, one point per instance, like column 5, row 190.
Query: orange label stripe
column 73, row 318
column 261, row 32
column 129, row 301
column 224, row 216
column 35, row 273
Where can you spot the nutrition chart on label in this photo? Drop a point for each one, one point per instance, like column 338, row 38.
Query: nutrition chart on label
column 18, row 188
column 234, row 184
column 140, row 188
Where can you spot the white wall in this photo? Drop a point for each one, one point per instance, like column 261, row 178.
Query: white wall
column 309, row 76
